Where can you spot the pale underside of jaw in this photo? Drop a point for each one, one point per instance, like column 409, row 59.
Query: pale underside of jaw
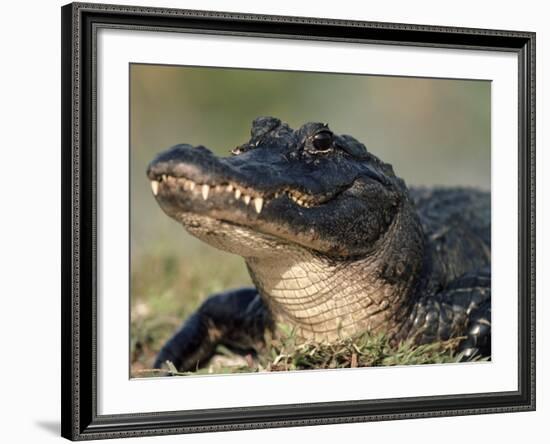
column 235, row 238
column 229, row 189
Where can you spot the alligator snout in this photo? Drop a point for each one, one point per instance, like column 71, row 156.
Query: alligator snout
column 185, row 161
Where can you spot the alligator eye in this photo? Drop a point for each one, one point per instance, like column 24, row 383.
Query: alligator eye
column 322, row 141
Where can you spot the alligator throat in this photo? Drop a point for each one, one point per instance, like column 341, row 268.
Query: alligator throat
column 325, row 299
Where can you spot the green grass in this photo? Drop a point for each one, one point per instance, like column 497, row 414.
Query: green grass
column 167, row 289
column 365, row 350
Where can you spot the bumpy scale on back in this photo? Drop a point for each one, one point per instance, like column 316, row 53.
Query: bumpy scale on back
column 335, row 243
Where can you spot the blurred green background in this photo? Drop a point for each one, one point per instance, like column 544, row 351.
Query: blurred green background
column 433, row 132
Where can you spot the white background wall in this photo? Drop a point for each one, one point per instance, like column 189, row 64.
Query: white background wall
column 30, row 220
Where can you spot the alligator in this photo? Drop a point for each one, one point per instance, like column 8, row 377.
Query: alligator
column 335, row 243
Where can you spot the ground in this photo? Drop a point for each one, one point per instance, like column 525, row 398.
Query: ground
column 168, row 288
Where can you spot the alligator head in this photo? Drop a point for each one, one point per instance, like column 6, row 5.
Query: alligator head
column 298, row 196
column 309, row 187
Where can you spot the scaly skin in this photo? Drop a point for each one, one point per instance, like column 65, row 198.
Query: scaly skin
column 335, row 243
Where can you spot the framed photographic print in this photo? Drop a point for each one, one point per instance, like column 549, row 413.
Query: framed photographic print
column 274, row 221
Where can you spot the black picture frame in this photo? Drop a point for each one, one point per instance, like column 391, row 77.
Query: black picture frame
column 79, row 175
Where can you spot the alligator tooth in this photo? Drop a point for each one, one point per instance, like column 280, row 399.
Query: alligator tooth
column 205, row 189
column 218, row 188
column 155, row 187
column 258, row 203
column 229, row 188
column 246, row 199
column 192, row 185
column 237, row 193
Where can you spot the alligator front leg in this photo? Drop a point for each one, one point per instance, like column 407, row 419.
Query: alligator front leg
column 463, row 309
column 236, row 318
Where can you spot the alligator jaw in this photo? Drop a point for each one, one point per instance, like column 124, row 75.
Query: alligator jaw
column 231, row 192
column 223, row 194
column 208, row 208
